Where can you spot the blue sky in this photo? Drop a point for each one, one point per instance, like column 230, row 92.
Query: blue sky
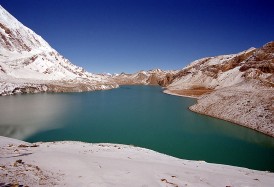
column 130, row 35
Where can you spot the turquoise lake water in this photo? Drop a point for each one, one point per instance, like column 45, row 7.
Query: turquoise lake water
column 135, row 115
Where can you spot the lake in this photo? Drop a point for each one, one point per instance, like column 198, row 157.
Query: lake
column 135, row 115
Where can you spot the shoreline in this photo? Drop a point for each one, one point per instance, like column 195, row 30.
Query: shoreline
column 231, row 121
column 169, row 92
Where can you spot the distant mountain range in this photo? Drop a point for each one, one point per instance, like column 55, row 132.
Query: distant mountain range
column 150, row 77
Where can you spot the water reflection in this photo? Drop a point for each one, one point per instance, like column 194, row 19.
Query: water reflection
column 23, row 115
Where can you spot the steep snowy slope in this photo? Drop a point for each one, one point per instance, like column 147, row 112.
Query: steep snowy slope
column 26, row 58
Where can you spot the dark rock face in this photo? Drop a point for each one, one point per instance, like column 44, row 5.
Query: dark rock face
column 153, row 80
column 166, row 80
column 262, row 59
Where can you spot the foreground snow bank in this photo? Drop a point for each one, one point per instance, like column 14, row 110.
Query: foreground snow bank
column 85, row 164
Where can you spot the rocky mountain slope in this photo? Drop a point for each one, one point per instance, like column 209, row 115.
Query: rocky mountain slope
column 29, row 64
column 241, row 87
column 226, row 70
column 150, row 77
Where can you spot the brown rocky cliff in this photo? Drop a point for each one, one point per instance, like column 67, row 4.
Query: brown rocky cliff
column 262, row 59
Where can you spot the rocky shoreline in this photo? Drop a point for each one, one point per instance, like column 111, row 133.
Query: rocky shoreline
column 243, row 105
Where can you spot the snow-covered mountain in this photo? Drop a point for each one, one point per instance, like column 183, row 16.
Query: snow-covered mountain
column 26, row 59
